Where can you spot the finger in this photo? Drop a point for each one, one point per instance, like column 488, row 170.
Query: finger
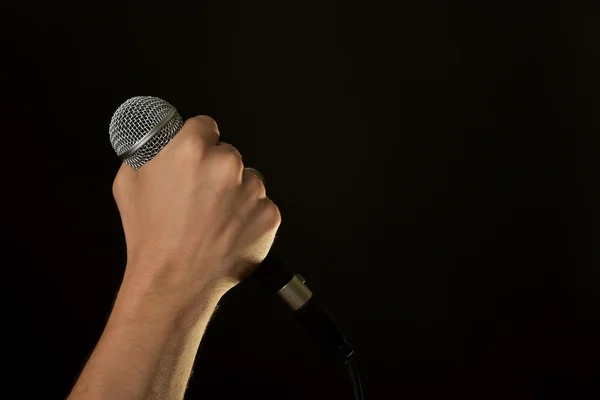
column 260, row 233
column 203, row 126
column 252, row 184
column 267, row 217
column 228, row 162
column 226, row 147
column 271, row 214
column 257, row 173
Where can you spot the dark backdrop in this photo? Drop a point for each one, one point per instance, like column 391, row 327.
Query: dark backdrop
column 435, row 165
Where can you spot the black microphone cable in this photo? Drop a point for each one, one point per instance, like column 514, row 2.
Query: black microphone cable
column 276, row 276
column 355, row 377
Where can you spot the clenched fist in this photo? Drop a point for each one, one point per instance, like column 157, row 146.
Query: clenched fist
column 193, row 214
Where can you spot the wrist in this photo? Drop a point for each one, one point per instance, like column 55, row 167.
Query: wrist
column 155, row 294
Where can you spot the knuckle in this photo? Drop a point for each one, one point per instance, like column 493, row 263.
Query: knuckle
column 202, row 122
column 193, row 136
column 192, row 150
column 231, row 162
column 255, row 184
column 209, row 122
column 271, row 214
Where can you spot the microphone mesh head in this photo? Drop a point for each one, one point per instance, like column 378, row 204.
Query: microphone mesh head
column 133, row 129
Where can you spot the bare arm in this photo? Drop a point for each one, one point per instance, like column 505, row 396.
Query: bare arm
column 195, row 224
column 148, row 347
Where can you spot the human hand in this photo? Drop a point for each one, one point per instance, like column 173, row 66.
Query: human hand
column 193, row 216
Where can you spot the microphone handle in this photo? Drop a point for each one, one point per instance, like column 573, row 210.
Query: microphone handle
column 277, row 277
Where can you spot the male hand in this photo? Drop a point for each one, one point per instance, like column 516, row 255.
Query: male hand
column 193, row 216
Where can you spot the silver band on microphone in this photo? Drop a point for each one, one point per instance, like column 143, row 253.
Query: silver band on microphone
column 295, row 293
column 149, row 135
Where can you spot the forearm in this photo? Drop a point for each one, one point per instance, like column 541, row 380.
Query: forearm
column 148, row 347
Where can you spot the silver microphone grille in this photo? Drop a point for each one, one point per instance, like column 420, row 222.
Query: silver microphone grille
column 141, row 127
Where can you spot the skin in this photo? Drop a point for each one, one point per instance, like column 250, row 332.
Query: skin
column 196, row 223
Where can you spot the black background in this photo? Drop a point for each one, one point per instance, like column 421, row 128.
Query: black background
column 435, row 165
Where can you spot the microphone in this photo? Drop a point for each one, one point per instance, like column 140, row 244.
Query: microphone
column 140, row 128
